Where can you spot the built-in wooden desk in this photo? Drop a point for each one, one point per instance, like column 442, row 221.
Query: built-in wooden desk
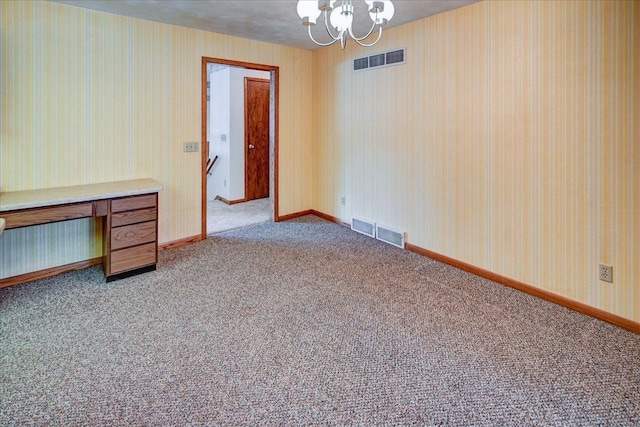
column 130, row 224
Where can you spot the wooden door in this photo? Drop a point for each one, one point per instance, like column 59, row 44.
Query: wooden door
column 256, row 131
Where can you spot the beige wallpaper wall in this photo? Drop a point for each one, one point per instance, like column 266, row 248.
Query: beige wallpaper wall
column 92, row 97
column 509, row 140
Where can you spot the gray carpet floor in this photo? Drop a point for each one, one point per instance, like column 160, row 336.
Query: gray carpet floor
column 305, row 323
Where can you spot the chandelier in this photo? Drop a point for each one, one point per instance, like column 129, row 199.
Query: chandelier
column 339, row 13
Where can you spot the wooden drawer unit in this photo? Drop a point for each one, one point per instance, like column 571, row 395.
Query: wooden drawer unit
column 127, row 211
column 131, row 234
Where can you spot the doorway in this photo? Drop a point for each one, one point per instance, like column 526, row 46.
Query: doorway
column 259, row 164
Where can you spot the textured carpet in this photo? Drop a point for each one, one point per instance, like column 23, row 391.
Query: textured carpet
column 305, row 322
column 223, row 217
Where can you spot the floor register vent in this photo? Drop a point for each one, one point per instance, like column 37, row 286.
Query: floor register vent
column 390, row 235
column 378, row 231
column 363, row 226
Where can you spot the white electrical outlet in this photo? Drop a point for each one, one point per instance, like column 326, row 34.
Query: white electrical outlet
column 606, row 273
column 190, row 147
column 343, row 200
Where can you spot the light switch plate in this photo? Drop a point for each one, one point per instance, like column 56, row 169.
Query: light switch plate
column 190, row 147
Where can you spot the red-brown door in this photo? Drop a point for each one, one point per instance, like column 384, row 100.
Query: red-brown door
column 256, row 125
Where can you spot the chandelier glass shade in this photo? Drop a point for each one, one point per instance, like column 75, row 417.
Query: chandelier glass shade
column 338, row 19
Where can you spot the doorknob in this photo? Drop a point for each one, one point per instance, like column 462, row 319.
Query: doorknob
column 251, row 146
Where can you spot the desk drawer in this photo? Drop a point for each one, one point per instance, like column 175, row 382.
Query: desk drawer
column 28, row 217
column 132, row 203
column 133, row 235
column 133, row 217
column 132, row 258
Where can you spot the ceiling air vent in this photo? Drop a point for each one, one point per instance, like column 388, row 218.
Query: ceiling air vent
column 385, row 59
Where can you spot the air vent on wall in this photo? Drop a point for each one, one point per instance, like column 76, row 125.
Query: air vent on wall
column 361, row 63
column 393, row 57
column 363, row 226
column 376, row 60
column 389, row 235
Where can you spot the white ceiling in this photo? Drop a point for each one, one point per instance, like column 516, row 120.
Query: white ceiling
column 274, row 21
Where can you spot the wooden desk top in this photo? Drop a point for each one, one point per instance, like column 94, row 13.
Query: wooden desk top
column 14, row 200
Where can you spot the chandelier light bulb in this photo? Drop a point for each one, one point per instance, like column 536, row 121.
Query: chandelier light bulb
column 341, row 20
column 308, row 9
